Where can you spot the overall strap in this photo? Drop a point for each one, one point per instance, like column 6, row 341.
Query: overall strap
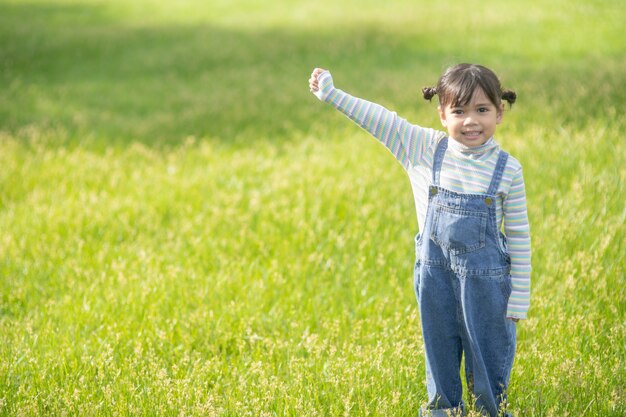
column 497, row 173
column 438, row 159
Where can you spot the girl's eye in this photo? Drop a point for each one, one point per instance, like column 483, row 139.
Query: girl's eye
column 483, row 110
column 457, row 111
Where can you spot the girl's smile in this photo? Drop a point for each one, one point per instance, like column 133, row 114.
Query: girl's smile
column 474, row 123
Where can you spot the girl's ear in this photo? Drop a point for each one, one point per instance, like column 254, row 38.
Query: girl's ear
column 500, row 114
column 442, row 116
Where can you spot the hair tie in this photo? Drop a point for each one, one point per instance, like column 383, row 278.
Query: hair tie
column 429, row 92
column 509, row 96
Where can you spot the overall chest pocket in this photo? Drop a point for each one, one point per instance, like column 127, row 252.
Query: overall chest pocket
column 459, row 231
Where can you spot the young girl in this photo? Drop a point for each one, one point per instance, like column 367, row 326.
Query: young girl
column 472, row 283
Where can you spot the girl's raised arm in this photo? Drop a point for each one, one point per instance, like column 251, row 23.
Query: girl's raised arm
column 407, row 142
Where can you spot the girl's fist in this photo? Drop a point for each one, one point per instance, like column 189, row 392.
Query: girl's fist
column 313, row 82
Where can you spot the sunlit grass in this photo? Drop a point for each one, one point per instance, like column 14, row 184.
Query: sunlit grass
column 185, row 230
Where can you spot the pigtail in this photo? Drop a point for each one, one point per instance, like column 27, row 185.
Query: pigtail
column 509, row 96
column 429, row 92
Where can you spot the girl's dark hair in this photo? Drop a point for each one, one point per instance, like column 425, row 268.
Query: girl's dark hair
column 457, row 85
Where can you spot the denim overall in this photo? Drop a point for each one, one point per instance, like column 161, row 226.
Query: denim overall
column 463, row 283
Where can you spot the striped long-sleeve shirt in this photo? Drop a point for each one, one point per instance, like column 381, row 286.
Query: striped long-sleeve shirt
column 464, row 170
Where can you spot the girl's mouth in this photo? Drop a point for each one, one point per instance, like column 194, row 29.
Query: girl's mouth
column 472, row 133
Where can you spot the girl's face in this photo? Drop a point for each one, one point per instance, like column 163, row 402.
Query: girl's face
column 474, row 123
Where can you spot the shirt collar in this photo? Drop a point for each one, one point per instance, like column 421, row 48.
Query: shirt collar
column 472, row 151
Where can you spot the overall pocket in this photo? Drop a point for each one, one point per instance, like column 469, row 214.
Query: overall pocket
column 459, row 231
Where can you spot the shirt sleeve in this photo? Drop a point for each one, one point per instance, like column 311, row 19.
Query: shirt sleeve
column 407, row 142
column 517, row 231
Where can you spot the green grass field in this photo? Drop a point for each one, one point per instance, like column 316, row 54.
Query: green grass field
column 186, row 231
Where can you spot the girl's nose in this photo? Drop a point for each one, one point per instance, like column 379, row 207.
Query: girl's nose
column 468, row 120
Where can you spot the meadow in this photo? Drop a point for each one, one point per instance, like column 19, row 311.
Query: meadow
column 186, row 231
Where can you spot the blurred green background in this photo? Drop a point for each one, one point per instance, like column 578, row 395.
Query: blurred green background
column 160, row 71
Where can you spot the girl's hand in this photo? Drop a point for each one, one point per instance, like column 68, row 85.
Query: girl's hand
column 313, row 81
